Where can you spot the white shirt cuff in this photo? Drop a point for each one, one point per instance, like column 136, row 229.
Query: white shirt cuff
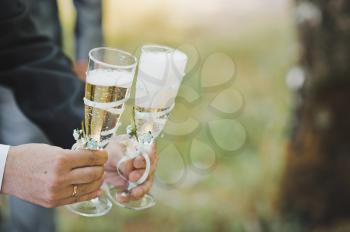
column 4, row 149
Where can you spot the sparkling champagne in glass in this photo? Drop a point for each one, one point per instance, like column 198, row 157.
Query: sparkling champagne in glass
column 105, row 93
column 108, row 82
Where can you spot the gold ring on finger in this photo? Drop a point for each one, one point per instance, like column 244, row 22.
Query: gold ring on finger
column 75, row 190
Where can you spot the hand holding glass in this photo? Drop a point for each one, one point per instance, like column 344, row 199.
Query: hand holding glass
column 160, row 73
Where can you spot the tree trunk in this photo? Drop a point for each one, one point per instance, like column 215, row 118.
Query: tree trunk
column 316, row 184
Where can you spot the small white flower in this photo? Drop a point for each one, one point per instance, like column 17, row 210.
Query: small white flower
column 77, row 134
column 147, row 138
column 129, row 130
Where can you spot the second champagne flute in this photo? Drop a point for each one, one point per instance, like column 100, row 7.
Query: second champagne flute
column 161, row 70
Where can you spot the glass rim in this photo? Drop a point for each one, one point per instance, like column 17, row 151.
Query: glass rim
column 113, row 65
column 164, row 47
column 167, row 49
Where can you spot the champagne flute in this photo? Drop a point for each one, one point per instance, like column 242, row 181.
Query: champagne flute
column 108, row 81
column 161, row 70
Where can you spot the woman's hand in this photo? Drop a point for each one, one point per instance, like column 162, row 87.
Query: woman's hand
column 46, row 175
column 132, row 169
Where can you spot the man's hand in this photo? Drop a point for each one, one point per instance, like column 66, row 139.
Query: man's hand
column 133, row 169
column 46, row 175
column 80, row 68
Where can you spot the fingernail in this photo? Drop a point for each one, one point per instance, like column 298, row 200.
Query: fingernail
column 121, row 198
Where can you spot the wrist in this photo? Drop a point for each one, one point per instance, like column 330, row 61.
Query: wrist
column 9, row 174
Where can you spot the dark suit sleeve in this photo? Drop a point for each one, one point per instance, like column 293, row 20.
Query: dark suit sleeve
column 40, row 75
column 88, row 28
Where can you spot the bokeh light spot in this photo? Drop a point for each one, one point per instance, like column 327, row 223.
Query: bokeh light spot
column 228, row 134
column 202, row 155
column 166, row 175
column 181, row 128
column 188, row 93
column 228, row 101
column 217, row 69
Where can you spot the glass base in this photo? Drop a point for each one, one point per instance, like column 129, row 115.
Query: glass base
column 146, row 202
column 93, row 208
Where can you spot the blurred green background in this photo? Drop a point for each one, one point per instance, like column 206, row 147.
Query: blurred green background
column 223, row 151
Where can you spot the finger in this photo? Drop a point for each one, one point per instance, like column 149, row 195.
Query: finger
column 122, row 198
column 141, row 190
column 85, row 197
column 116, row 149
column 84, row 158
column 147, row 185
column 139, row 162
column 137, row 193
column 116, row 181
column 82, row 189
column 126, row 168
column 153, row 157
column 136, row 175
column 85, row 175
column 108, row 174
column 110, row 167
